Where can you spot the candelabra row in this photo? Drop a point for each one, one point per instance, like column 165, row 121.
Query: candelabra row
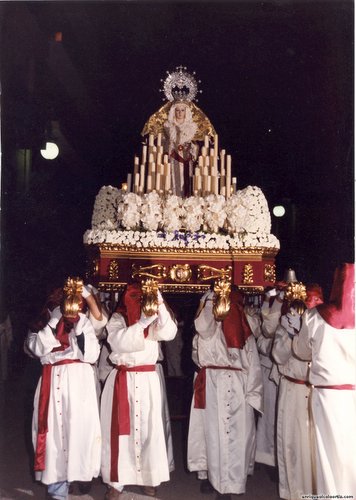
column 210, row 173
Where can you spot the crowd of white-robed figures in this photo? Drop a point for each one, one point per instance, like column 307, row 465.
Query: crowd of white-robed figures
column 271, row 386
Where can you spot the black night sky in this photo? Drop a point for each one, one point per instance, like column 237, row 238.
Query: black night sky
column 277, row 80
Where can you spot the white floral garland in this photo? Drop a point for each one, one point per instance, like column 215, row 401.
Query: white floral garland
column 241, row 221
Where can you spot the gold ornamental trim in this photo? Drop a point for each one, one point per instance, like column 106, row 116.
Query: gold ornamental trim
column 180, row 273
column 107, row 286
column 247, row 274
column 251, row 290
column 132, row 252
column 269, row 273
column 157, row 271
column 208, row 272
column 183, row 288
column 113, row 270
column 111, row 286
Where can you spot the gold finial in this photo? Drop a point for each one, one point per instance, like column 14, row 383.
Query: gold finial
column 221, row 307
column 149, row 297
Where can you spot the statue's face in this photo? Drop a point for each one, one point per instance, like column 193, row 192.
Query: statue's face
column 179, row 112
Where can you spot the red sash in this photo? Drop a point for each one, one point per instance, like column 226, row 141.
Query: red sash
column 45, row 391
column 341, row 387
column 120, row 415
column 296, row 380
column 200, row 384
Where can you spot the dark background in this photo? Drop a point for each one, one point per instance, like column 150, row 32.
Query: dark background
column 277, row 80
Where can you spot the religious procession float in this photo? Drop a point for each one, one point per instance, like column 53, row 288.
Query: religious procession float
column 179, row 222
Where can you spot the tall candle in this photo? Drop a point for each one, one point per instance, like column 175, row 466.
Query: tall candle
column 215, row 184
column 167, row 185
column 228, row 166
column 136, row 164
column 228, row 186
column 206, row 141
column 159, row 139
column 142, row 178
column 149, row 183
column 208, row 184
column 151, row 140
column 222, row 160
column 216, row 144
column 158, row 182
column 153, row 175
column 129, row 180
column 144, row 154
column 199, row 182
column 137, row 183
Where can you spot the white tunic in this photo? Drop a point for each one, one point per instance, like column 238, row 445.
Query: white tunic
column 142, row 454
column 73, row 443
column 221, row 436
column 333, row 355
column 293, row 430
column 266, row 439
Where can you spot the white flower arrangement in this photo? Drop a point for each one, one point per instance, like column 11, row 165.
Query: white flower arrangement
column 215, row 212
column 151, row 221
column 173, row 213
column 193, row 213
column 129, row 211
column 105, row 208
column 151, row 211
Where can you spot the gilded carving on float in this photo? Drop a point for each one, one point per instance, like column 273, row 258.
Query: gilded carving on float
column 111, row 248
column 208, row 272
column 180, row 273
column 270, row 272
column 221, row 307
column 183, row 288
column 247, row 274
column 149, row 297
column 113, row 269
column 156, row 271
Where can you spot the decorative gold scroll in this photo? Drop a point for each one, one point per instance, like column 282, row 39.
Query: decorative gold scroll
column 269, row 273
column 149, row 297
column 181, row 273
column 215, row 273
column 247, row 276
column 156, row 271
column 113, row 269
column 221, row 307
